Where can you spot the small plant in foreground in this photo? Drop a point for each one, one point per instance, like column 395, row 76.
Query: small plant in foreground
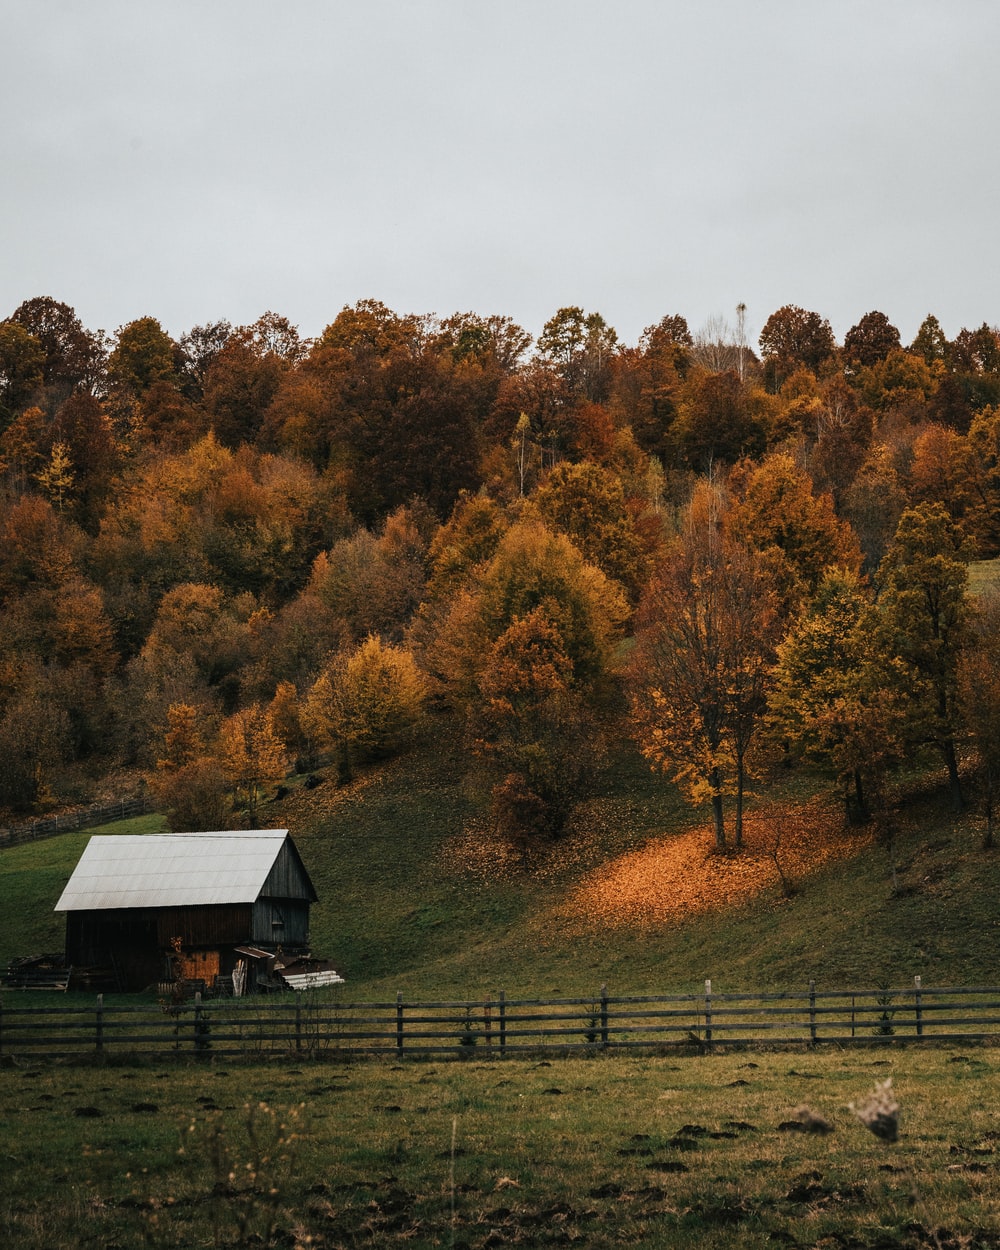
column 879, row 1112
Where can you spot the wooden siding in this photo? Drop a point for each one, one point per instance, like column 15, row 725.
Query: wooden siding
column 219, row 925
column 280, row 922
column 288, row 877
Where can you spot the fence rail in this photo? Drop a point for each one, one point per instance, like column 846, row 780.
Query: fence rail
column 498, row 1027
column 83, row 818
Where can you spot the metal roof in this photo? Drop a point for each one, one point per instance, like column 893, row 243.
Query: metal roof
column 171, row 869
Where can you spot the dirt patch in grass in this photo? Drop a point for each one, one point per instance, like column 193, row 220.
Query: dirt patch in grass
column 677, row 876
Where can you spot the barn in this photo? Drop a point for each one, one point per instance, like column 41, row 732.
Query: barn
column 186, row 906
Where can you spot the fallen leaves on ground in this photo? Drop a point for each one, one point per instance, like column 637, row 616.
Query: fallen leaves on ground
column 679, row 875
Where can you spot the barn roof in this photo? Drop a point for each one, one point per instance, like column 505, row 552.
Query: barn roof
column 173, row 869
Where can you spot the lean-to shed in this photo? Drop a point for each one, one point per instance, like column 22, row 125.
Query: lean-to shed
column 158, row 906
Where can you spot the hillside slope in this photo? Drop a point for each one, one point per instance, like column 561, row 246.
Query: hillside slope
column 417, row 894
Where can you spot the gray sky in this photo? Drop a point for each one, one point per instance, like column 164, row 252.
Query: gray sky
column 202, row 159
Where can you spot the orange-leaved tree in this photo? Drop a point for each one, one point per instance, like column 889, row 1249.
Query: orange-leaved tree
column 704, row 645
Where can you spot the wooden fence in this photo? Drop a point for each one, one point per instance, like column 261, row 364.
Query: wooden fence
column 83, row 818
column 496, row 1027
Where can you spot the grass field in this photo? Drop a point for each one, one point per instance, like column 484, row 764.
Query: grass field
column 696, row 1151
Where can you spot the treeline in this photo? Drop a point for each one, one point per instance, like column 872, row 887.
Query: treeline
column 242, row 551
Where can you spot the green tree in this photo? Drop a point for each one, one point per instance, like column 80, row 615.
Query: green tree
column 930, row 341
column 143, row 355
column 837, row 696
column 580, row 346
column 22, row 361
column 924, row 607
column 979, row 703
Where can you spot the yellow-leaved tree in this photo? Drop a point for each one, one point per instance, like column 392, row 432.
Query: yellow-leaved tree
column 367, row 702
column 252, row 754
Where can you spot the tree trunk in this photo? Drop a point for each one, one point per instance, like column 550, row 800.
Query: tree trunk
column 954, row 781
column 717, row 815
column 855, row 802
column 738, row 829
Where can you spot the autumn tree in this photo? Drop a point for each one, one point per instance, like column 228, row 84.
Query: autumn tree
column 874, row 502
column 466, row 540
column 198, row 348
column 778, row 513
column 373, row 582
column 704, row 642
column 539, row 574
column 73, row 356
column 245, row 373
column 870, row 341
column 837, row 696
column 791, row 337
column 842, row 429
column 532, row 565
column 367, row 702
column 587, row 503
column 532, row 729
column 924, row 608
column 35, row 733
column 188, row 783
column 251, row 754
column 981, row 487
column 718, row 420
column 646, row 384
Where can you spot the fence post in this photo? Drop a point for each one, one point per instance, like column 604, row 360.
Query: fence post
column 919, row 1006
column 708, row 1013
column 812, row 1011
column 201, row 1025
column 298, row 1023
column 488, row 1025
column 99, row 1022
column 503, row 1022
column 399, row 1021
column 604, row 1016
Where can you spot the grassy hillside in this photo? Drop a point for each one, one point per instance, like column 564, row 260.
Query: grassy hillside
column 417, row 895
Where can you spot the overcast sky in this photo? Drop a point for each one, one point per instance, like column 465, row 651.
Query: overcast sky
column 196, row 160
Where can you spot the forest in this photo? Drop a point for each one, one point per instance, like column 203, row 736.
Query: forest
column 243, row 554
